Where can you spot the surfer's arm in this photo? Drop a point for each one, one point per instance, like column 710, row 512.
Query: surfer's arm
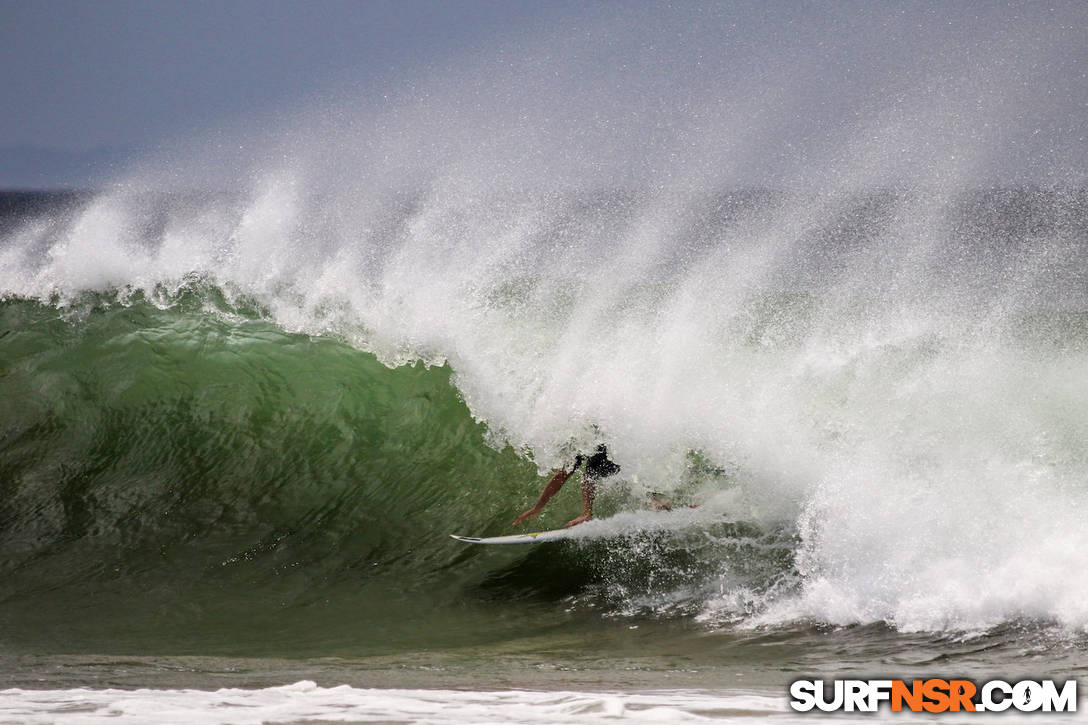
column 557, row 480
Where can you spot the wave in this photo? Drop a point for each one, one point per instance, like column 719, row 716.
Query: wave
column 169, row 466
column 202, row 436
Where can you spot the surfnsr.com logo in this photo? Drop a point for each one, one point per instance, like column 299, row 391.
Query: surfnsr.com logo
column 933, row 695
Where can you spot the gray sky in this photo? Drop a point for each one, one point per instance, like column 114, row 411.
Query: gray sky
column 91, row 80
column 79, row 75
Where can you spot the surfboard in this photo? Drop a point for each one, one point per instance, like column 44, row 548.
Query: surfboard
column 622, row 524
column 534, row 538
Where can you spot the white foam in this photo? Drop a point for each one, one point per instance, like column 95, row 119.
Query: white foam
column 306, row 702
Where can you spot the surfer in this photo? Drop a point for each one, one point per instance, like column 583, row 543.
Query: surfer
column 598, row 466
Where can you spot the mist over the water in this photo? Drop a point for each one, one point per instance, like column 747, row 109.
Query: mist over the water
column 837, row 251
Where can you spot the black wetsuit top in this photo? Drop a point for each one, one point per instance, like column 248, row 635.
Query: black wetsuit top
column 598, row 465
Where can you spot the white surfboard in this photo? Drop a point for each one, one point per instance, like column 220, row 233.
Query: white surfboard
column 534, row 538
column 623, row 524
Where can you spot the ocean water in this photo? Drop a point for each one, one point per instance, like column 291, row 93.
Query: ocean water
column 233, row 449
column 836, row 309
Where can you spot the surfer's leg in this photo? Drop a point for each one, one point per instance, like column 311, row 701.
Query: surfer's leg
column 550, row 490
column 589, row 492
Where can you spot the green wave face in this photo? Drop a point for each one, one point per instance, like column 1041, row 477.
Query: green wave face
column 178, row 481
column 171, row 467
